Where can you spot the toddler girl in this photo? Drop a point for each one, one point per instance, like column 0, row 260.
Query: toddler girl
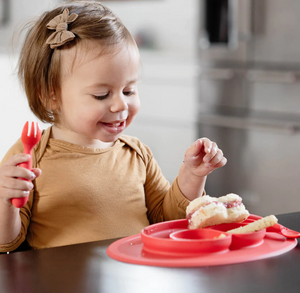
column 79, row 67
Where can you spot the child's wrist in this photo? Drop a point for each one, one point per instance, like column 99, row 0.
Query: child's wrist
column 189, row 174
column 191, row 185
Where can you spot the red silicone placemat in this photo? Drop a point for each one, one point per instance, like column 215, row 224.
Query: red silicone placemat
column 130, row 250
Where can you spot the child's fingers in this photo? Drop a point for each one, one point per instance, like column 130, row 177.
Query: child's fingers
column 215, row 160
column 37, row 172
column 11, row 184
column 221, row 163
column 14, row 187
column 212, row 156
column 194, row 149
column 208, row 144
column 17, row 172
column 214, row 150
column 17, row 183
column 17, row 159
column 201, row 144
column 12, row 193
column 212, row 159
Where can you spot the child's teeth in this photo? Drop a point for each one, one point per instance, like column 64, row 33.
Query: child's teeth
column 114, row 124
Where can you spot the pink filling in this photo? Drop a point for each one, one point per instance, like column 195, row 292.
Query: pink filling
column 227, row 205
column 233, row 204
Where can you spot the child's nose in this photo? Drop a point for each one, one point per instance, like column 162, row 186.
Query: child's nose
column 118, row 104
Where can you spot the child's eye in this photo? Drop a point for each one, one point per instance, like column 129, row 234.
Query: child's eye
column 128, row 93
column 100, row 97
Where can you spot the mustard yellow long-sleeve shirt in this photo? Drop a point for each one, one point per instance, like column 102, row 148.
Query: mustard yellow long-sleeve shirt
column 89, row 194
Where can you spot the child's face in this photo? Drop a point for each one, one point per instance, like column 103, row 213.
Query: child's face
column 99, row 96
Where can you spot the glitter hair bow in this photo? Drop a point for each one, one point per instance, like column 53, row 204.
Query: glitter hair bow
column 60, row 24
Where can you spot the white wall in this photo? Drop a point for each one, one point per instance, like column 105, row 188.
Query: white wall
column 14, row 110
column 20, row 12
column 174, row 22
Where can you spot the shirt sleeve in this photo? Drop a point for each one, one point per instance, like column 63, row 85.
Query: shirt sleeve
column 164, row 201
column 25, row 212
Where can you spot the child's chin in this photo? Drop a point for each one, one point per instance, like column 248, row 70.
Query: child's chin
column 109, row 138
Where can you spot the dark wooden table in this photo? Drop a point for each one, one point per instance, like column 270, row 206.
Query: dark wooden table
column 85, row 268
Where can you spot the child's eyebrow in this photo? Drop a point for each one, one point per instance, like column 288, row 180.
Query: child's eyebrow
column 98, row 84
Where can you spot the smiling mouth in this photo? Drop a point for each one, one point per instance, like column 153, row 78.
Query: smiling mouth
column 115, row 124
column 114, row 127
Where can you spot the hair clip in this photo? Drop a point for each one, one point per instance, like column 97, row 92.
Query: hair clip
column 60, row 24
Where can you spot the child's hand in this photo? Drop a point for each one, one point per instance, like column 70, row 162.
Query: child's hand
column 203, row 156
column 10, row 183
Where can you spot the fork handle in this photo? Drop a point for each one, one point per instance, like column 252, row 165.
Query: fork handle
column 19, row 202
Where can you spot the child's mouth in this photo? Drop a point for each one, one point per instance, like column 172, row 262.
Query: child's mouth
column 114, row 127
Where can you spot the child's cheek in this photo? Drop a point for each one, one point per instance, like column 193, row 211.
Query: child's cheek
column 134, row 107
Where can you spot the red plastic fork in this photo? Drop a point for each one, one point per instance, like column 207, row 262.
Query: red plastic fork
column 31, row 135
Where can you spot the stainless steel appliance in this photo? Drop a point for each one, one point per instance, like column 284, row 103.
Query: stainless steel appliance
column 249, row 88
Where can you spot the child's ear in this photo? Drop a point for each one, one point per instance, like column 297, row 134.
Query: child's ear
column 53, row 103
column 49, row 102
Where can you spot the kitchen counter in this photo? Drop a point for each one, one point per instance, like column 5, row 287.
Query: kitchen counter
column 87, row 268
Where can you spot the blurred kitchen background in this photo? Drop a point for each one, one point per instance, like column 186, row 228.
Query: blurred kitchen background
column 225, row 69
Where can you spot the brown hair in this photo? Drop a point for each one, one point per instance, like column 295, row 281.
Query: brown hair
column 40, row 66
